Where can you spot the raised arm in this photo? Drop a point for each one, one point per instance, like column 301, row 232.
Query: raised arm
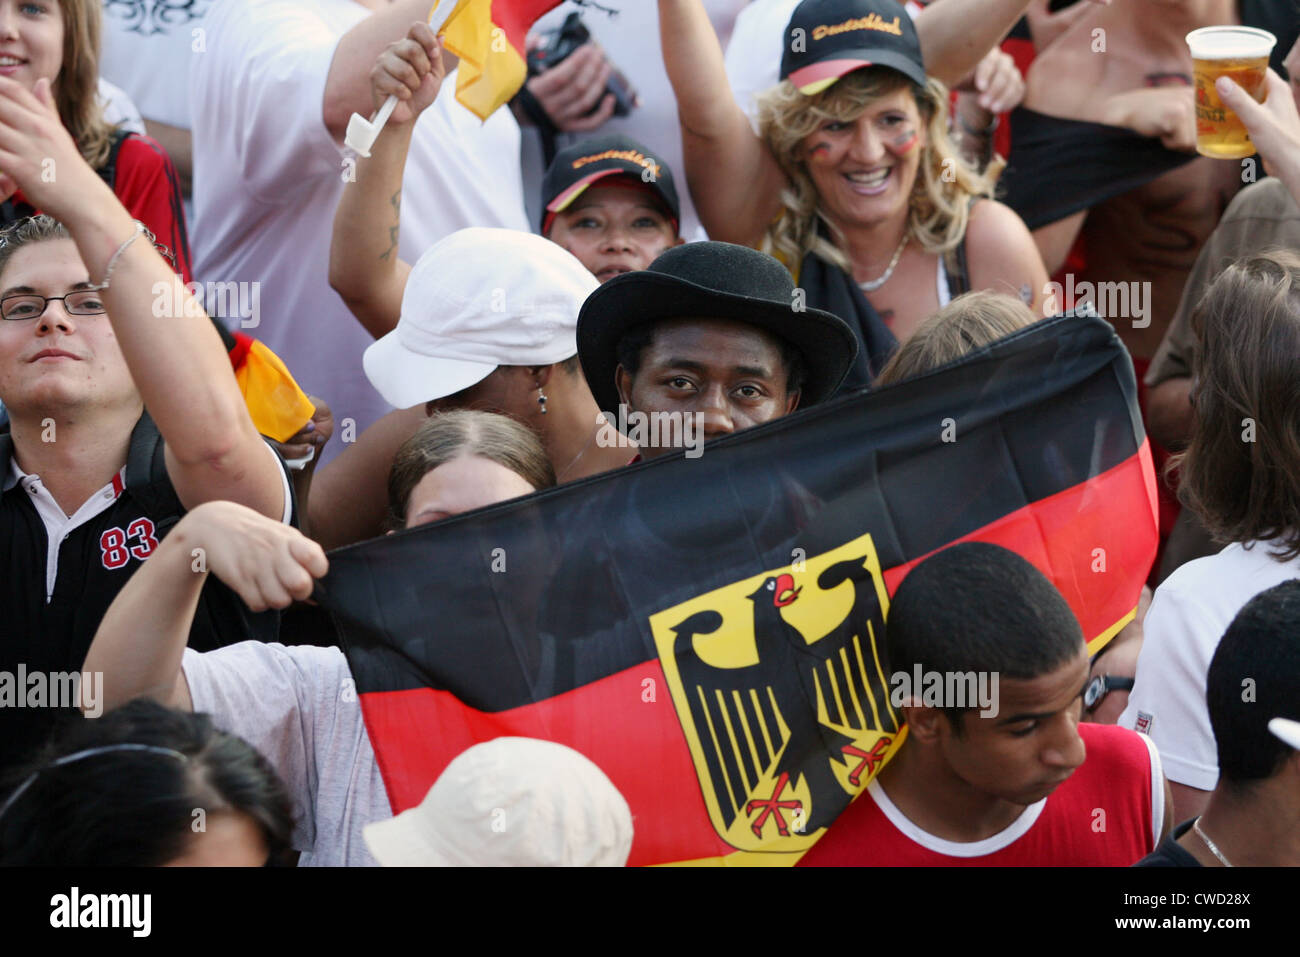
column 347, row 86
column 139, row 644
column 734, row 180
column 956, row 34
column 170, row 345
column 364, row 267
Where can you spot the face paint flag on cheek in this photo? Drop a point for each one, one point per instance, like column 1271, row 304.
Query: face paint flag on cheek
column 905, row 143
column 819, row 150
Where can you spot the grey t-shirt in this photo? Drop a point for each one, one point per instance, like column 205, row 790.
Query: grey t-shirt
column 298, row 706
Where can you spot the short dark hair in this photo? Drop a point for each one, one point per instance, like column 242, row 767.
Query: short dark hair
column 632, row 346
column 1259, row 647
column 1247, row 372
column 131, row 807
column 979, row 607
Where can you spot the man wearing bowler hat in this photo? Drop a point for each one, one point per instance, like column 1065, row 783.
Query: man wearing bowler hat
column 711, row 333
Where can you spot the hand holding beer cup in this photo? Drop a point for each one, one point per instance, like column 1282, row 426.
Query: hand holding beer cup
column 1241, row 54
column 1274, row 126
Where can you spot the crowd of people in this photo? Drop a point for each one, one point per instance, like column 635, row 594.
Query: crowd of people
column 230, row 345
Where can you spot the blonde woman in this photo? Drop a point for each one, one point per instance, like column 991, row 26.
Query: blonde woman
column 853, row 180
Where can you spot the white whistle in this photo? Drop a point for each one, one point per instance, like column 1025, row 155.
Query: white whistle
column 362, row 132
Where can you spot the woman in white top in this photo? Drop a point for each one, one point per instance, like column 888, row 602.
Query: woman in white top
column 1241, row 473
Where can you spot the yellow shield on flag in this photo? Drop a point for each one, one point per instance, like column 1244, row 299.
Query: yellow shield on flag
column 779, row 681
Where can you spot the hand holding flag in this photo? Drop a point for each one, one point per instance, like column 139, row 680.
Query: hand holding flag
column 408, row 75
column 488, row 36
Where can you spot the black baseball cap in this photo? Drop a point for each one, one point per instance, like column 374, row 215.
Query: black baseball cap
column 711, row 280
column 576, row 168
column 825, row 39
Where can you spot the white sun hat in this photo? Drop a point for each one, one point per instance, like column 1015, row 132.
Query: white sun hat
column 478, row 299
column 511, row 802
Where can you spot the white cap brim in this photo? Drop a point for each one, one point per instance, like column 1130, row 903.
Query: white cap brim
column 1287, row 730
column 405, row 378
column 402, row 842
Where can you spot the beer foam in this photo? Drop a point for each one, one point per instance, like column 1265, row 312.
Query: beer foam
column 1230, row 43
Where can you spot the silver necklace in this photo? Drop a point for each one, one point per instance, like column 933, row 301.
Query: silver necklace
column 568, row 468
column 875, row 284
column 1196, row 826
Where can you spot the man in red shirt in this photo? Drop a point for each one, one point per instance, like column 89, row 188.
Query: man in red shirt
column 1021, row 782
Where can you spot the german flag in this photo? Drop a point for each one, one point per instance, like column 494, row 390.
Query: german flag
column 489, row 37
column 708, row 630
column 276, row 403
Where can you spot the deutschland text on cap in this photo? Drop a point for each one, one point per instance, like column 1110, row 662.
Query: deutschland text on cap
column 827, row 39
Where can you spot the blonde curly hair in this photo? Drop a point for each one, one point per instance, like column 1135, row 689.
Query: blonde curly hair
column 945, row 183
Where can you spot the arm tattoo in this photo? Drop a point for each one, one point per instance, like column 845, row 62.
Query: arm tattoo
column 396, row 202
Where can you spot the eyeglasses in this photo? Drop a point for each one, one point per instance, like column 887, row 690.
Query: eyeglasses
column 84, row 302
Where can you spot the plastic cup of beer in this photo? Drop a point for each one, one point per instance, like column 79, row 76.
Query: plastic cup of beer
column 1240, row 53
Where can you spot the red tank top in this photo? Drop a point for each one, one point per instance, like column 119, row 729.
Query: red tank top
column 1107, row 814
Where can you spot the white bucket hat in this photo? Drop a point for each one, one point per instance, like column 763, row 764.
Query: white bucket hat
column 511, row 802
column 478, row 299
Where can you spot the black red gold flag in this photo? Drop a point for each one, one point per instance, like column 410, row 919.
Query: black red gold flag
column 489, row 37
column 708, row 630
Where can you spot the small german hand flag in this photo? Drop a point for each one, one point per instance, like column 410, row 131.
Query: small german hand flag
column 488, row 36
column 276, row 403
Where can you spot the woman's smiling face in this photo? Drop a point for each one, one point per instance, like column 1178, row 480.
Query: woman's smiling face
column 31, row 40
column 865, row 169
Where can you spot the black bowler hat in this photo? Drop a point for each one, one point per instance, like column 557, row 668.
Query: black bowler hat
column 825, row 39
column 712, row 280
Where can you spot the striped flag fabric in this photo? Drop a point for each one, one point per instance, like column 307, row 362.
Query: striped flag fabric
column 708, row 631
column 489, row 37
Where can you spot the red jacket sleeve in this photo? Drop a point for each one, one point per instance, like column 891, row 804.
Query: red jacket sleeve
column 148, row 187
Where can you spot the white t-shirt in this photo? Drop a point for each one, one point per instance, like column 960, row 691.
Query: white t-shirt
column 118, row 108
column 756, row 47
column 268, row 178
column 631, row 43
column 147, row 50
column 298, row 706
column 1188, row 615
